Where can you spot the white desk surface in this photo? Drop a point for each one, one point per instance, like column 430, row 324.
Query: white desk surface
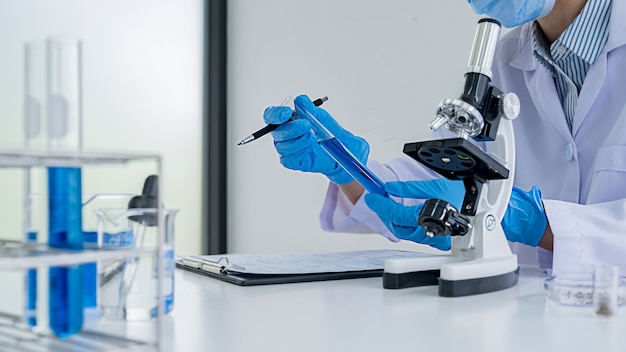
column 359, row 315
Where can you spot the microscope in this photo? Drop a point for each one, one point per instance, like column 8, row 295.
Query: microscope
column 480, row 259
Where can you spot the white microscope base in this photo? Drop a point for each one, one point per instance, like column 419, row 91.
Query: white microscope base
column 456, row 276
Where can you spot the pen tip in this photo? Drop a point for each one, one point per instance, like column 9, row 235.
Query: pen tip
column 246, row 140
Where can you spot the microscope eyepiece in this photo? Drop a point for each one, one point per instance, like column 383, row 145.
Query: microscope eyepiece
column 484, row 48
column 487, row 19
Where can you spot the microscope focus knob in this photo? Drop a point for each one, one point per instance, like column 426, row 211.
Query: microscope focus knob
column 509, row 106
column 440, row 218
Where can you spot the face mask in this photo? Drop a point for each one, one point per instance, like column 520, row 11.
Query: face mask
column 512, row 13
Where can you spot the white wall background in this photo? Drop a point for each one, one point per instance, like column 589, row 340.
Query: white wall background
column 142, row 85
column 384, row 65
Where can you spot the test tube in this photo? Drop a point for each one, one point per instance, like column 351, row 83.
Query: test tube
column 34, row 94
column 64, row 132
column 33, row 105
column 605, row 286
column 342, row 155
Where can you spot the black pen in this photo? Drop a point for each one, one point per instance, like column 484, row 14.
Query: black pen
column 269, row 128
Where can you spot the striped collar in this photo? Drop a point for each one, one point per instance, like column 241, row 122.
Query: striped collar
column 585, row 37
column 524, row 58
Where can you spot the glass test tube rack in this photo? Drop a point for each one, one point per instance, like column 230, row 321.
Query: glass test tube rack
column 17, row 255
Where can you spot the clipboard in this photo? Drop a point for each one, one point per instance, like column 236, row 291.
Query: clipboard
column 267, row 269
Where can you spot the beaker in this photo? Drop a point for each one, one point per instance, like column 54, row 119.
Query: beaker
column 91, row 202
column 128, row 285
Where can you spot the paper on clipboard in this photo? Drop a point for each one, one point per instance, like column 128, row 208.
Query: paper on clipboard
column 281, row 264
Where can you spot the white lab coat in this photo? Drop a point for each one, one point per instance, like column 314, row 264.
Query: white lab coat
column 582, row 174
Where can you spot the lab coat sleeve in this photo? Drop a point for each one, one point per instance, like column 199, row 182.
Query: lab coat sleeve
column 585, row 235
column 338, row 214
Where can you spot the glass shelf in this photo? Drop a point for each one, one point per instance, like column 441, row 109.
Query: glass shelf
column 36, row 157
column 19, row 255
column 16, row 336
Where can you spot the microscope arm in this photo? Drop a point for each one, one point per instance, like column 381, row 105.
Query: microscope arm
column 493, row 201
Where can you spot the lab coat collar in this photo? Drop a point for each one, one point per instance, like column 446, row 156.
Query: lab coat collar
column 597, row 72
column 524, row 59
column 547, row 99
column 594, row 81
column 537, row 81
column 617, row 26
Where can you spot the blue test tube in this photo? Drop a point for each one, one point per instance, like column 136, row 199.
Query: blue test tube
column 345, row 158
column 64, row 132
column 65, row 231
column 31, row 287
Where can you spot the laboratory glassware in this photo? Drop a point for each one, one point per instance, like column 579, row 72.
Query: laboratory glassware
column 342, row 155
column 64, row 132
column 605, row 289
column 91, row 202
column 17, row 256
column 33, row 124
column 580, row 289
column 128, row 286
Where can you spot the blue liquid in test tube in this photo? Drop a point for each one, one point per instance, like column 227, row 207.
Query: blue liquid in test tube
column 31, row 287
column 345, row 158
column 353, row 166
column 65, row 231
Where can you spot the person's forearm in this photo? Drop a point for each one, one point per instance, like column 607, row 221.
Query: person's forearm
column 547, row 241
column 353, row 191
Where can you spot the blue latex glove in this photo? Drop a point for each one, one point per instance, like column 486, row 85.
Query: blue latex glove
column 512, row 13
column 401, row 220
column 525, row 219
column 297, row 146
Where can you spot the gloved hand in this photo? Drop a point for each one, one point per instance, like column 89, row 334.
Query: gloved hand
column 401, row 220
column 525, row 219
column 297, row 146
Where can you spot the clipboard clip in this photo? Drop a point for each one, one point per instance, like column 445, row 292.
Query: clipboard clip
column 221, row 266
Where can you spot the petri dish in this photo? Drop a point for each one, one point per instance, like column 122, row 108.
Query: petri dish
column 577, row 290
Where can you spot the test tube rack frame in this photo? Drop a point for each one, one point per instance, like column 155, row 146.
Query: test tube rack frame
column 22, row 255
